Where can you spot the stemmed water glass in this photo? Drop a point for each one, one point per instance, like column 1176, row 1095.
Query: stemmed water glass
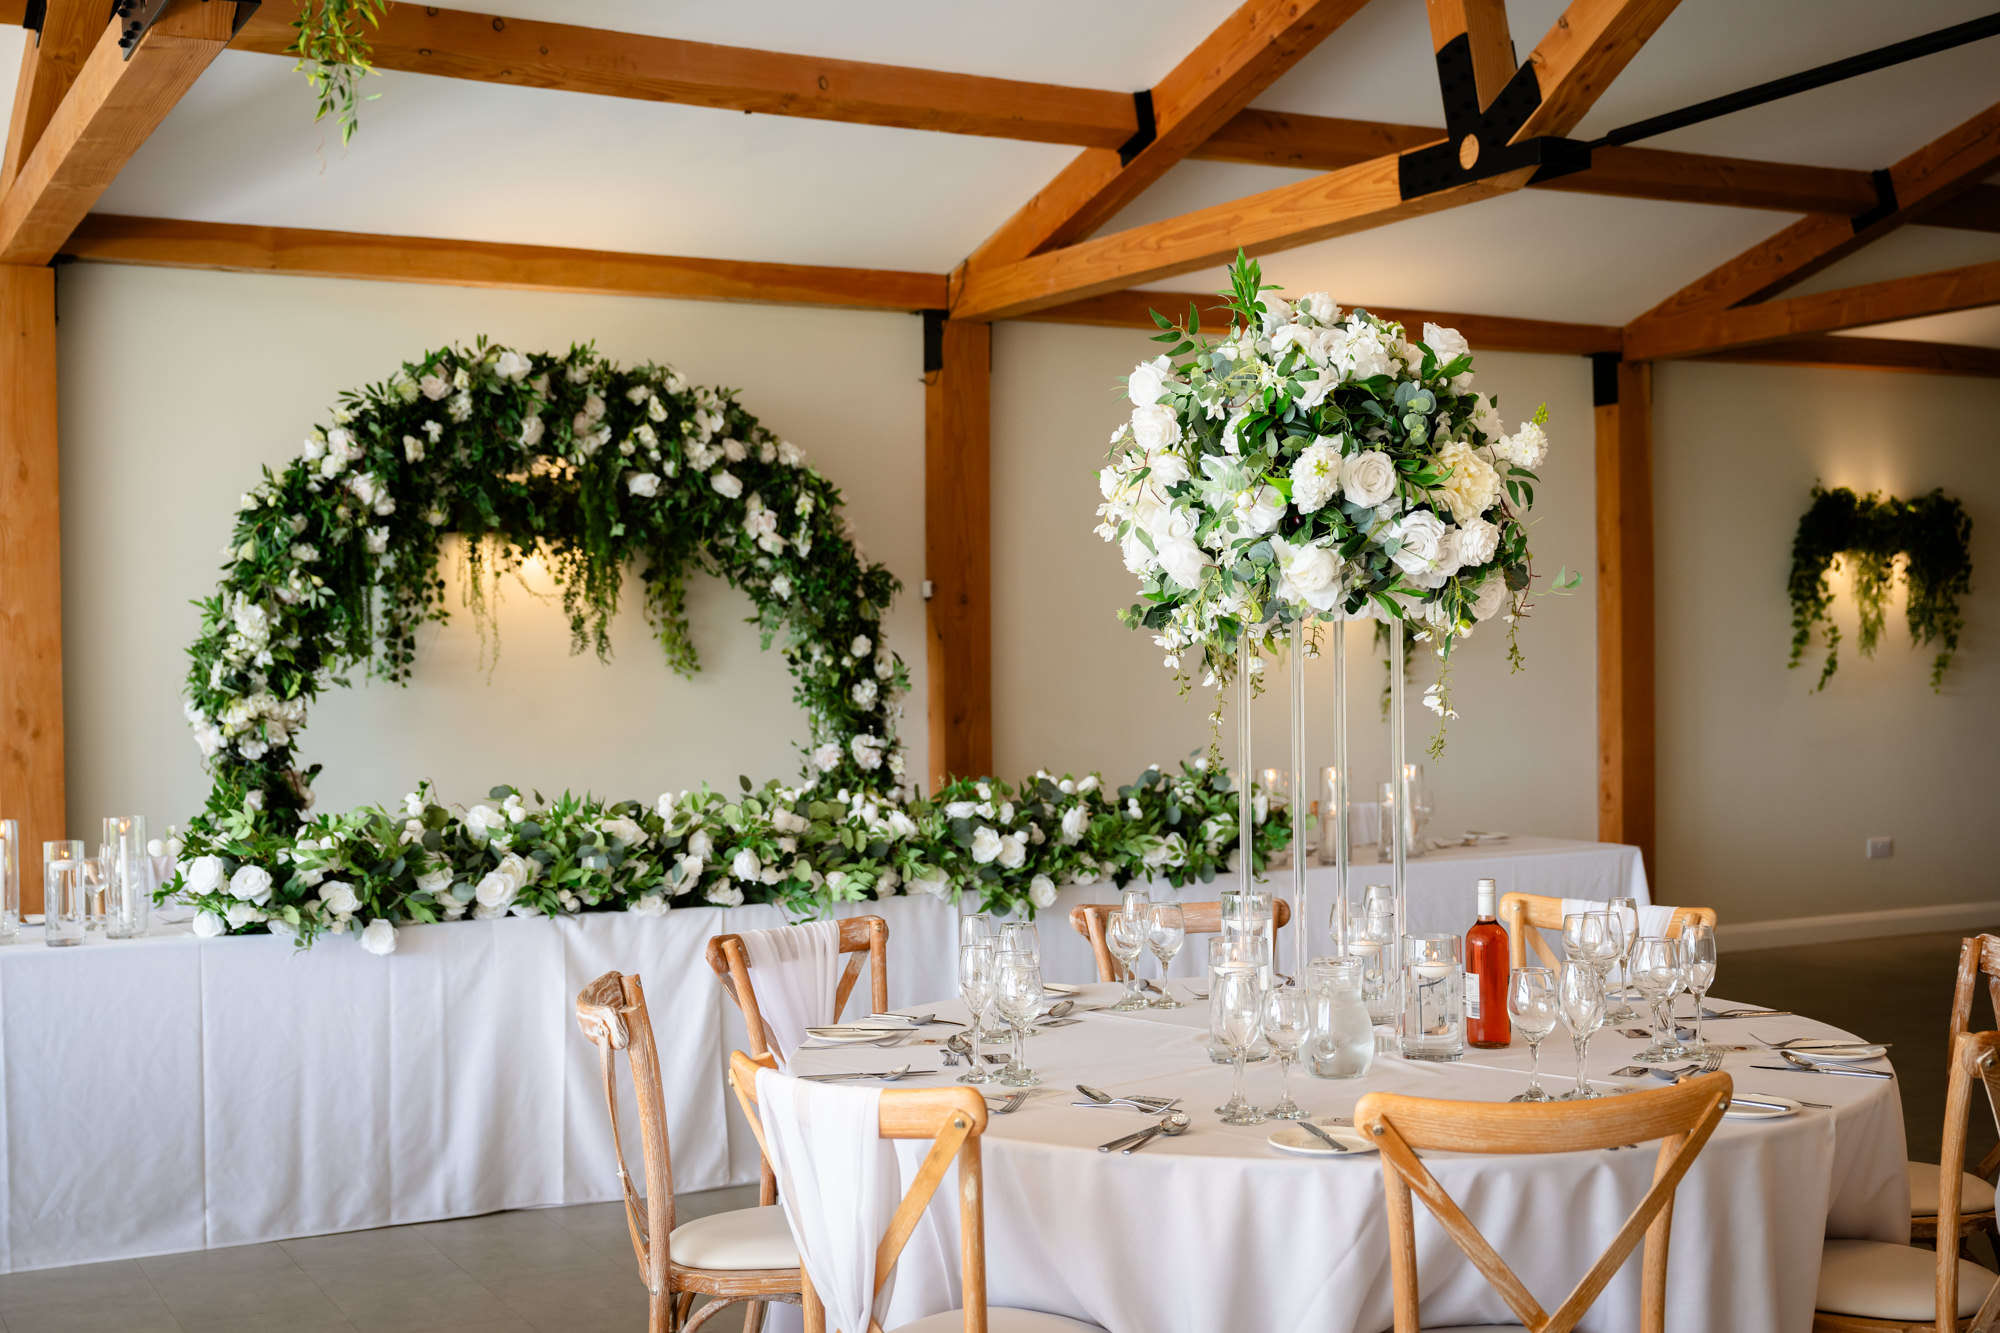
column 1166, row 928
column 1624, row 914
column 1238, row 994
column 1017, row 993
column 1125, row 934
column 1580, row 998
column 1287, row 1020
column 976, row 926
column 1531, row 1002
column 1659, row 972
column 1584, row 935
column 1698, row 955
column 977, row 975
column 1020, row 937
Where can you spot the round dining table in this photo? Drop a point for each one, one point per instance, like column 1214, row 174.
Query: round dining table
column 1216, row 1229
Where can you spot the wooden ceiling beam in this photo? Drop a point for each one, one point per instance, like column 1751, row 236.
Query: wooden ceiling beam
column 113, row 105
column 1499, row 333
column 166, row 243
column 50, row 62
column 1721, row 330
column 1895, row 354
column 1590, row 43
column 1483, row 23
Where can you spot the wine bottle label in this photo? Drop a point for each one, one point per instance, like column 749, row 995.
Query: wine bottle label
column 1472, row 1001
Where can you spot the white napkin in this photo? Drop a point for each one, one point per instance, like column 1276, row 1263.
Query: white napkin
column 796, row 970
column 839, row 1184
column 1654, row 920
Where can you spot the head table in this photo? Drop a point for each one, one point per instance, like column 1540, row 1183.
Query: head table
column 1215, row 1229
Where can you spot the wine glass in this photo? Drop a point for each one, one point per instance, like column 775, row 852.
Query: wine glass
column 1624, row 914
column 1017, row 993
column 1532, row 1003
column 1659, row 972
column 1166, row 930
column 1583, row 936
column 1698, row 953
column 1238, row 994
column 976, row 926
column 1580, row 999
column 977, row 969
column 1287, row 1020
column 1020, row 937
column 1125, row 934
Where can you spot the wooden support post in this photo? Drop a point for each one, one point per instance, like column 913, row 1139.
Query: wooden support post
column 1625, row 751
column 31, row 676
column 958, row 363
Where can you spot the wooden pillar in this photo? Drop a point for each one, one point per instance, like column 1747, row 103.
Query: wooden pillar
column 958, row 363
column 31, row 678
column 1625, row 750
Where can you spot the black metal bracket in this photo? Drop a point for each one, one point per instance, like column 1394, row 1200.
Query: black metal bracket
column 934, row 339
column 1604, row 378
column 1885, row 202
column 137, row 18
column 1477, row 144
column 34, row 16
column 1149, row 130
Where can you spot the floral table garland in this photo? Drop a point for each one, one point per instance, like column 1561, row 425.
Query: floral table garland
column 333, row 565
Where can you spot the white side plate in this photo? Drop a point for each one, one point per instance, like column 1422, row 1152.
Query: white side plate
column 1294, row 1140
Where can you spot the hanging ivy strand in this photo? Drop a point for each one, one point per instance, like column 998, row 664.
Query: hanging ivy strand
column 1931, row 536
column 334, row 54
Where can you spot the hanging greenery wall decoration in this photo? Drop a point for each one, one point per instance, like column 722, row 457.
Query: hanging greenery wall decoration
column 1932, row 535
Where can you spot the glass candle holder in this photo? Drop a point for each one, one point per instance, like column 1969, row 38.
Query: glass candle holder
column 128, row 877
column 63, row 892
column 1433, row 997
column 1253, row 954
column 10, row 881
column 1342, row 1043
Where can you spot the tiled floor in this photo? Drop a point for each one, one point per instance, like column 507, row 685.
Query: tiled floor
column 571, row 1269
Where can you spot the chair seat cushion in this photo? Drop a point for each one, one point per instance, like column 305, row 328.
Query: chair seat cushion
column 746, row 1238
column 1975, row 1195
column 1880, row 1281
column 999, row 1320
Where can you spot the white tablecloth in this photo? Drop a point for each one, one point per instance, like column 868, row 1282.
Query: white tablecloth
column 174, row 1093
column 1217, row 1230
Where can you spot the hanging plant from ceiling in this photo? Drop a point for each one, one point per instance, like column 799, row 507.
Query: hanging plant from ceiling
column 1929, row 539
column 334, row 54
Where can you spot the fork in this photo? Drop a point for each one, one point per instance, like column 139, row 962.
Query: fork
column 1011, row 1105
column 1790, row 1042
column 1707, row 1066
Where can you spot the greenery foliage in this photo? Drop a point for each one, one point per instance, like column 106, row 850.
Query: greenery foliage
column 333, row 50
column 1933, row 536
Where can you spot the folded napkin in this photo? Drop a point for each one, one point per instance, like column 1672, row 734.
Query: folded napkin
column 1653, row 919
column 839, row 1184
column 796, row 970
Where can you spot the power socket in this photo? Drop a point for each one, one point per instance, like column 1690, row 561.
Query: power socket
column 1881, row 849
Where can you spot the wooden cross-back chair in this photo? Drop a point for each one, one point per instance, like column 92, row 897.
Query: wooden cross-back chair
column 743, row 1256
column 865, row 937
column 953, row 1119
column 1087, row 920
column 1978, row 955
column 1682, row 1116
column 1527, row 915
column 1870, row 1286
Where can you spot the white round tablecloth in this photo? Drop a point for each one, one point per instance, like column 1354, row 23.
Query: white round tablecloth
column 1217, row 1230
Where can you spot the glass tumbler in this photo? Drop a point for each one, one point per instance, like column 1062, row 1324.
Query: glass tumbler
column 1342, row 1042
column 1433, row 997
column 128, row 877
column 10, row 881
column 63, row 892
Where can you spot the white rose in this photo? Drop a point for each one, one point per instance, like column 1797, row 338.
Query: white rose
column 251, row 884
column 208, row 925
column 511, row 366
column 861, row 646
column 901, row 825
column 379, row 937
column 1042, row 891
column 1368, row 478
column 651, row 904
column 1075, row 821
column 986, row 844
column 434, row 386
column 496, row 889
column 1492, row 596
column 1167, row 469
column 482, row 821
column 1148, row 381
column 726, row 484
column 1013, row 850
column 204, row 874
column 1316, row 475
column 1447, row 344
column 435, row 881
column 1320, row 306
column 929, row 879
column 1417, row 534
column 827, row 757
column 1260, row 509
column 1311, row 574
column 339, row 897
column 643, row 483
column 1486, row 418
column 725, row 894
column 1155, row 427
column 701, row 844
column 628, row 831
column 745, row 865
column 531, row 431
column 242, row 914
column 1478, row 540
column 1184, row 561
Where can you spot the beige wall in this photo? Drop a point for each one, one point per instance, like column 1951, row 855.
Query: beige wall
column 1768, row 792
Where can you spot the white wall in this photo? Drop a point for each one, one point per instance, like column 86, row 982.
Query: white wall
column 1768, row 792
column 1074, row 689
column 176, row 387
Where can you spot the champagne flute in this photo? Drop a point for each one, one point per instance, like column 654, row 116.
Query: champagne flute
column 977, row 970
column 1018, row 995
column 1125, row 935
column 1287, row 1019
column 1532, row 1003
column 1239, row 994
column 1166, row 930
column 1698, row 953
column 1580, row 998
column 1624, row 913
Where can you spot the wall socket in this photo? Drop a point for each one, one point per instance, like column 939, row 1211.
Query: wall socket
column 1881, row 849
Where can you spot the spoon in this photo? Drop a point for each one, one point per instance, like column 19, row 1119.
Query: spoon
column 1171, row 1124
column 1058, row 1009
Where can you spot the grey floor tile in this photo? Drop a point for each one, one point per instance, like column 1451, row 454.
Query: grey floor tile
column 212, row 1295
column 322, row 1316
column 111, row 1314
column 511, row 1245
column 349, row 1248
column 415, row 1298
column 561, row 1301
column 121, row 1280
column 234, row 1260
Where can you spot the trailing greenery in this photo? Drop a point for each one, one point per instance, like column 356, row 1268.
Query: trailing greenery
column 1932, row 534
column 335, row 55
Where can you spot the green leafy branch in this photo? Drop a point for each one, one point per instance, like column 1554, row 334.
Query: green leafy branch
column 334, row 54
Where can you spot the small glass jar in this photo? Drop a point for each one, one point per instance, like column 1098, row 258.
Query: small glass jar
column 10, row 881
column 1433, row 997
column 1342, row 1043
column 64, row 890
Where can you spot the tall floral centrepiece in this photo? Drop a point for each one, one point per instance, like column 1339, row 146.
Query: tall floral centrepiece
column 1314, row 465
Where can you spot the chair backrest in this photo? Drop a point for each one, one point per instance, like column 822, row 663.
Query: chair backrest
column 1087, row 920
column 1977, row 955
column 1527, row 915
column 612, row 1013
column 953, row 1119
column 865, row 937
column 1682, row 1116
column 1975, row 1058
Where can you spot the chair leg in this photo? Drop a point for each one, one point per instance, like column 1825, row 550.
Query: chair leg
column 753, row 1316
column 660, row 1315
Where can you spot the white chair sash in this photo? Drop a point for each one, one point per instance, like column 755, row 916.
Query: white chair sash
column 1654, row 920
column 796, row 970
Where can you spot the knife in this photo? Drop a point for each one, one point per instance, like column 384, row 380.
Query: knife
column 1825, row 1069
column 1324, row 1137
